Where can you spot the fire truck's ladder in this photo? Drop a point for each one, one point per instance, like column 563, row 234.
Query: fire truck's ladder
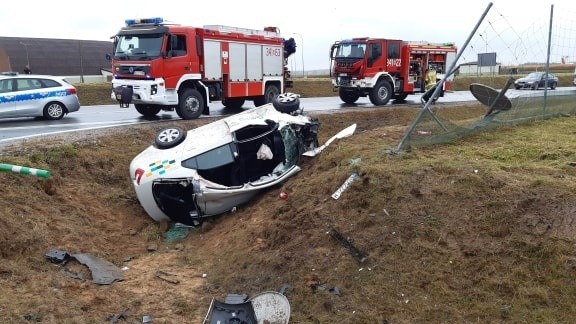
column 425, row 43
column 246, row 31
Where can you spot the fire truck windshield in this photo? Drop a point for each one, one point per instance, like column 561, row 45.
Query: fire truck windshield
column 140, row 47
column 350, row 50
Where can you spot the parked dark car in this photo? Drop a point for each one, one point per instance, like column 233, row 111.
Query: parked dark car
column 537, row 80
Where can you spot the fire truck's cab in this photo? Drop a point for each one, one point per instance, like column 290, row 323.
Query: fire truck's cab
column 385, row 69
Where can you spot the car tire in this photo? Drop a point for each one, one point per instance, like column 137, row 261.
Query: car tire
column 270, row 93
column 169, row 137
column 381, row 93
column 54, row 111
column 286, row 102
column 190, row 105
column 348, row 96
column 553, row 85
column 147, row 110
column 535, row 87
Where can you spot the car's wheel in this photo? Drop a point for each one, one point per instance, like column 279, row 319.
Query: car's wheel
column 54, row 111
column 518, row 87
column 381, row 93
column 535, row 87
column 269, row 94
column 553, row 85
column 190, row 105
column 348, row 96
column 233, row 103
column 147, row 110
column 286, row 102
column 169, row 137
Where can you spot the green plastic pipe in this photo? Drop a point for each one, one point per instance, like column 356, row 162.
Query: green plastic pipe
column 24, row 170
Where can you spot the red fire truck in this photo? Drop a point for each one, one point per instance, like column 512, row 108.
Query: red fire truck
column 162, row 66
column 385, row 69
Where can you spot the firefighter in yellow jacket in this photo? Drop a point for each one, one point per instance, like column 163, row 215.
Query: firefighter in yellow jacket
column 430, row 79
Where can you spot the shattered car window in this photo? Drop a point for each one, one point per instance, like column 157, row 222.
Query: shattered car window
column 212, row 159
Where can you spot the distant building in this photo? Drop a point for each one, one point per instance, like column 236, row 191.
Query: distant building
column 78, row 60
column 472, row 68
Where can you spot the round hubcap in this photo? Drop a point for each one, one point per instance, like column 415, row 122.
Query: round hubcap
column 168, row 135
column 287, row 97
column 55, row 110
column 192, row 104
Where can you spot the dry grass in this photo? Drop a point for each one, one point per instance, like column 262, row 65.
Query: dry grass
column 481, row 230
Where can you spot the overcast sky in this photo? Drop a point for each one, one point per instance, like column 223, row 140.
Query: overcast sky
column 511, row 27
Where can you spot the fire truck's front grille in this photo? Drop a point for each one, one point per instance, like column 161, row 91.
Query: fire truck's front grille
column 344, row 81
column 133, row 70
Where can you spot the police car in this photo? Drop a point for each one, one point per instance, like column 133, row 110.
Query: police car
column 28, row 95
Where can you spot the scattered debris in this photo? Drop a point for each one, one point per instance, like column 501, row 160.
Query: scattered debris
column 167, row 277
column 57, row 256
column 572, row 164
column 266, row 307
column 316, row 285
column 146, row 319
column 152, row 247
column 355, row 162
column 357, row 254
column 284, row 289
column 177, row 231
column 103, row 272
column 345, row 185
column 117, row 317
column 235, row 298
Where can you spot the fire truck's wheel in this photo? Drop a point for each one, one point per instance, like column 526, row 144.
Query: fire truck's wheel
column 233, row 103
column 381, row 93
column 348, row 96
column 147, row 110
column 191, row 104
column 286, row 102
column 169, row 137
column 269, row 94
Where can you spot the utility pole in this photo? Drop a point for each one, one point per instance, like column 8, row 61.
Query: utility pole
column 302, row 51
column 27, row 58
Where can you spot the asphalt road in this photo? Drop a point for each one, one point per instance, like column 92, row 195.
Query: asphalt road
column 95, row 117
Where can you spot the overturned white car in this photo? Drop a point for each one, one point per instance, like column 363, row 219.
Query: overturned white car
column 186, row 177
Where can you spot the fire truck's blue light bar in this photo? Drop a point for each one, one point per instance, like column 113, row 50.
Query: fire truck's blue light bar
column 155, row 20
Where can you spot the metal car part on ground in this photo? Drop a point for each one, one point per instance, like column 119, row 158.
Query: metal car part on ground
column 187, row 176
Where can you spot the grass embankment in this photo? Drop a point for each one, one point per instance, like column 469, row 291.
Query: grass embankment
column 480, row 230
